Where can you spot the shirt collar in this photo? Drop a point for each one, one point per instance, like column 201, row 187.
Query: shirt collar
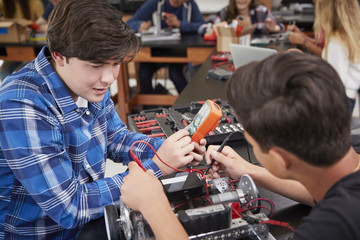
column 56, row 86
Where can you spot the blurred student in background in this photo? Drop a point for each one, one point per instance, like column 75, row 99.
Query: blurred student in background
column 339, row 22
column 182, row 14
column 337, row 36
column 246, row 13
column 313, row 45
column 43, row 20
column 23, row 9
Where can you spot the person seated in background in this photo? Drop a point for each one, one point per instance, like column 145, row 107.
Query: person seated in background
column 23, row 9
column 313, row 45
column 54, row 149
column 295, row 113
column 339, row 23
column 43, row 20
column 247, row 13
column 182, row 14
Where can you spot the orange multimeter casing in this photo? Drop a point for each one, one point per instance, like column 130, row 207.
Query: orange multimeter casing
column 205, row 120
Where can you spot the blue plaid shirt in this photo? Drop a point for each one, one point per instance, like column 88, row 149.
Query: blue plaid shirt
column 53, row 155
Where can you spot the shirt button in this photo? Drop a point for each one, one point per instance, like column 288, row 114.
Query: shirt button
column 87, row 112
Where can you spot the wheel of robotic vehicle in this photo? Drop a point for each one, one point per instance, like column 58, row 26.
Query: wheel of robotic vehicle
column 125, row 221
column 111, row 217
column 247, row 184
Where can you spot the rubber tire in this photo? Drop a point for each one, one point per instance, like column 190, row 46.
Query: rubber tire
column 113, row 229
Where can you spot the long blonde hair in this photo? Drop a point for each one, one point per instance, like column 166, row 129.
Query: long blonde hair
column 339, row 19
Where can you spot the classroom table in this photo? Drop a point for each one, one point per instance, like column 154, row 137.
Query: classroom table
column 202, row 88
column 18, row 52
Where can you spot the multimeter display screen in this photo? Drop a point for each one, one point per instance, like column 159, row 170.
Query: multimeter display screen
column 199, row 118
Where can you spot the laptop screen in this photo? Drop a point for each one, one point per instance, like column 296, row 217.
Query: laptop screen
column 243, row 55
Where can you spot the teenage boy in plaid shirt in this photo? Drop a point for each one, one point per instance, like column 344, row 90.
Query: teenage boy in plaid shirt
column 58, row 126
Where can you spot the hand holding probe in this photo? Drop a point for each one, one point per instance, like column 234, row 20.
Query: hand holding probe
column 219, row 150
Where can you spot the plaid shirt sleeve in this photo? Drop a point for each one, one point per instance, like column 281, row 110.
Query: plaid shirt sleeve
column 52, row 159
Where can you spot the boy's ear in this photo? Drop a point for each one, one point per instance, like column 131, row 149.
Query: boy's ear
column 58, row 58
column 281, row 157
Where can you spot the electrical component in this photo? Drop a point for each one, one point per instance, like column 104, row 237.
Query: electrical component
column 204, row 221
column 182, row 185
column 219, row 74
column 205, row 120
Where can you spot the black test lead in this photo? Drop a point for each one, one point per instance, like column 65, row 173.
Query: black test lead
column 219, row 150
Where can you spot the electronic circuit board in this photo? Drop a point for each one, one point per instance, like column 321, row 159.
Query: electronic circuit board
column 163, row 122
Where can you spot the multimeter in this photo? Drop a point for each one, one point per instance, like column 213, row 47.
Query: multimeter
column 206, row 120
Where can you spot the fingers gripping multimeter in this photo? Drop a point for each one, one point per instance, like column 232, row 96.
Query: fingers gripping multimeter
column 205, row 120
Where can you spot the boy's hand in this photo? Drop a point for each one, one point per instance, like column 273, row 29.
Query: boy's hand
column 141, row 188
column 228, row 161
column 199, row 152
column 176, row 151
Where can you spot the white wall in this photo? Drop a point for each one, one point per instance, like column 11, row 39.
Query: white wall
column 211, row 6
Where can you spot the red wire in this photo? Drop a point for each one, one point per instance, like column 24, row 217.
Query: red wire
column 176, row 169
column 199, row 171
column 209, row 200
column 262, row 199
column 179, row 205
column 279, row 223
column 135, row 158
column 140, row 164
column 232, row 187
column 273, row 222
column 270, row 221
column 259, row 207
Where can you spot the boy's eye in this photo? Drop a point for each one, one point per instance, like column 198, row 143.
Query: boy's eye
column 96, row 66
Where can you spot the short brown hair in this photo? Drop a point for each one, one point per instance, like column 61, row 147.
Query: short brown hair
column 294, row 101
column 91, row 30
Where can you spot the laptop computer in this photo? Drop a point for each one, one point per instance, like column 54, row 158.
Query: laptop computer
column 243, row 55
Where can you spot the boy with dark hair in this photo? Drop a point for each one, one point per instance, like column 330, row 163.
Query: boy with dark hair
column 295, row 113
column 58, row 126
